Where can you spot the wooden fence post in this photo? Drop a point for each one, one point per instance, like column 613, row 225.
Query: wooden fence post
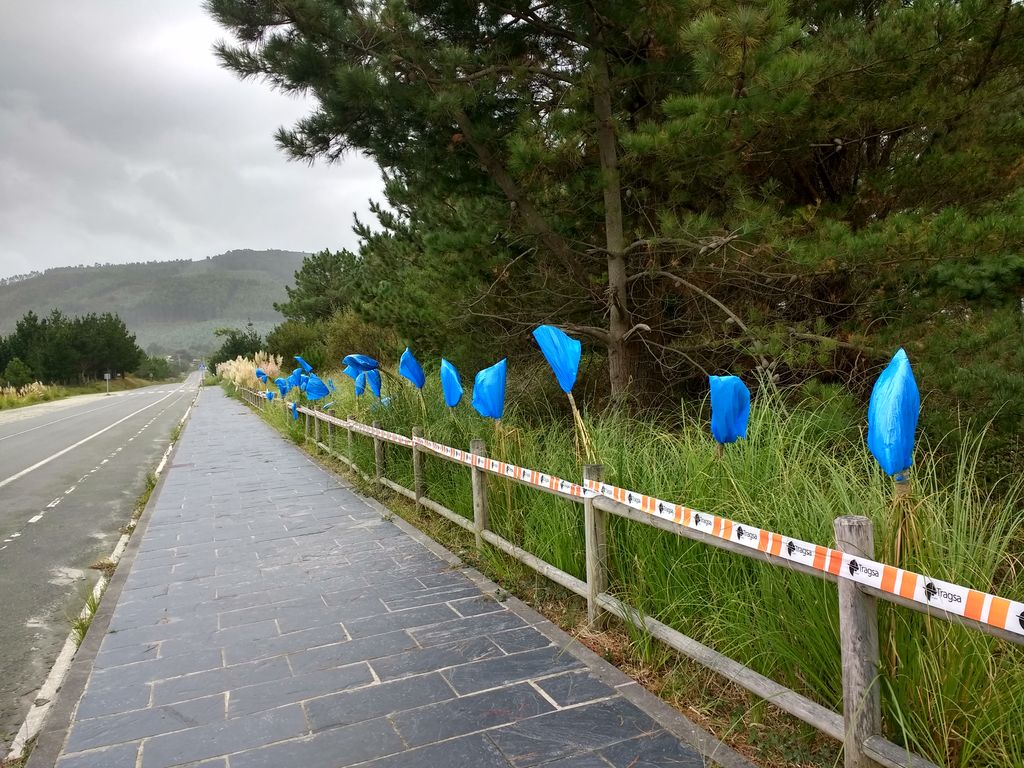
column 378, row 453
column 595, row 526
column 858, row 641
column 480, row 516
column 418, row 485
column 330, row 437
column 305, row 427
column 316, row 427
column 348, row 446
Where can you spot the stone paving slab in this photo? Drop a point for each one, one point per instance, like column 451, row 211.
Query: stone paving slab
column 272, row 617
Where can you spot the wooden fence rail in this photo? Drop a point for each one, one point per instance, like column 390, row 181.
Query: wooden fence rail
column 858, row 728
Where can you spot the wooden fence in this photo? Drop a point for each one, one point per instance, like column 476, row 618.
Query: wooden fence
column 859, row 728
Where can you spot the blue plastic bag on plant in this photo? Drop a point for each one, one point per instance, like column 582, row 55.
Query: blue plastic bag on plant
column 489, row 390
column 261, row 375
column 730, row 408
column 305, row 366
column 330, row 385
column 360, row 362
column 303, row 380
column 269, row 394
column 892, row 415
column 295, row 411
column 351, row 372
column 315, row 388
column 282, row 386
column 373, row 381
column 562, row 353
column 409, row 367
column 360, row 383
column 294, row 380
column 451, row 386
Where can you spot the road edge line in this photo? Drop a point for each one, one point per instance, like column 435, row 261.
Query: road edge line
column 70, row 672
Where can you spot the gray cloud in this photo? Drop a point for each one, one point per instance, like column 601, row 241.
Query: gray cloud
column 122, row 140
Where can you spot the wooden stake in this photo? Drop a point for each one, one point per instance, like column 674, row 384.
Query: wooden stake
column 418, row 484
column 858, row 642
column 595, row 526
column 378, row 454
column 480, row 516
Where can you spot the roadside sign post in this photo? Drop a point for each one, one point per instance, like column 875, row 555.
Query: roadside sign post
column 106, row 378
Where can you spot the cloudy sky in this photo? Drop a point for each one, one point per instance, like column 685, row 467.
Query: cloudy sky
column 122, row 140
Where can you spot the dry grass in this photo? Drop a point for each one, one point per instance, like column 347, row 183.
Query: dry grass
column 242, row 372
column 104, row 565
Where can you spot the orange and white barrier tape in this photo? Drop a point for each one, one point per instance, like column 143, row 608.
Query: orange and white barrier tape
column 530, row 476
column 969, row 603
column 935, row 593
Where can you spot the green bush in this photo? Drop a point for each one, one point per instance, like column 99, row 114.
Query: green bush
column 17, row 373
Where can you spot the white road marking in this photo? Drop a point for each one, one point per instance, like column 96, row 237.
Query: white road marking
column 70, row 490
column 57, row 421
column 83, row 441
column 34, row 720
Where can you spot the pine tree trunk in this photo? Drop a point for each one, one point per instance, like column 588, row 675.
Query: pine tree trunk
column 620, row 364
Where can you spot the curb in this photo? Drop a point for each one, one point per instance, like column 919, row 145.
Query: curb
column 54, row 726
column 714, row 751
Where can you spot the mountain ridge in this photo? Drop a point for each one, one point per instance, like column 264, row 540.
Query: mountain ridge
column 170, row 305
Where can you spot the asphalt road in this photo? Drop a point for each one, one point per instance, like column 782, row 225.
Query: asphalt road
column 70, row 472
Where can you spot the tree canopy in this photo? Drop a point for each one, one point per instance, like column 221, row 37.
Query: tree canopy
column 695, row 186
column 63, row 350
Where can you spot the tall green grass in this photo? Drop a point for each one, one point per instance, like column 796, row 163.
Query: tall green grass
column 954, row 695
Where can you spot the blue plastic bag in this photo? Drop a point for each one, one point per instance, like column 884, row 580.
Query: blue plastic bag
column 360, row 362
column 562, row 353
column 295, row 411
column 410, row 368
column 303, row 380
column 315, row 388
column 730, row 408
column 373, row 381
column 293, row 380
column 261, row 375
column 451, row 386
column 330, row 385
column 305, row 366
column 282, row 386
column 892, row 416
column 351, row 372
column 360, row 383
column 489, row 390
column 269, row 394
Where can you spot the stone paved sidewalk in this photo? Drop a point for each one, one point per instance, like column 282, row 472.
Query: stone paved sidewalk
column 271, row 618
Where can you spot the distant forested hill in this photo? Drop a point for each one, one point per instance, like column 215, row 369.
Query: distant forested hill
column 170, row 305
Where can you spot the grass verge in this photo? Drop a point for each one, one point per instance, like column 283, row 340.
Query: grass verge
column 42, row 393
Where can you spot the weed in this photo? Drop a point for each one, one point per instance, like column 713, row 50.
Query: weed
column 81, row 623
column 143, row 499
column 104, row 565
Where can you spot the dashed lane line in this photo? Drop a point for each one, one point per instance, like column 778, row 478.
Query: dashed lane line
column 36, row 518
column 74, row 415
